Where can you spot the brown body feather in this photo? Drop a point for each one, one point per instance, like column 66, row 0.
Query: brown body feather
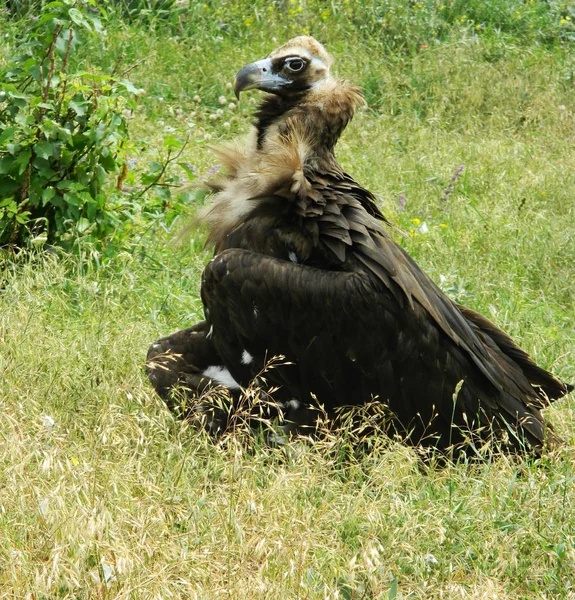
column 355, row 308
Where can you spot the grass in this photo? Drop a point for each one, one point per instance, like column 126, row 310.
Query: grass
column 103, row 494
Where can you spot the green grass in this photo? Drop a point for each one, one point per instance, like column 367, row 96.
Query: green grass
column 103, row 494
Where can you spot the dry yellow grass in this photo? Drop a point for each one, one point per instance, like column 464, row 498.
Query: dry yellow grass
column 104, row 495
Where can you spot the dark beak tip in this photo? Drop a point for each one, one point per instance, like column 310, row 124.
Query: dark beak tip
column 258, row 76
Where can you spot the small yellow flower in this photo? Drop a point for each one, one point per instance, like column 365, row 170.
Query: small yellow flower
column 412, row 232
column 324, row 14
column 74, row 461
column 416, row 221
column 443, row 225
column 563, row 21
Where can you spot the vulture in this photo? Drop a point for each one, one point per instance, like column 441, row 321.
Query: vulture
column 305, row 269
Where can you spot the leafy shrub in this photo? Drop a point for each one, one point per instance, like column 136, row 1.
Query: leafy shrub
column 62, row 133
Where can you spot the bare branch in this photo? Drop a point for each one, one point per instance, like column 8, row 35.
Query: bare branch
column 65, row 61
column 132, row 67
column 64, row 66
column 117, row 65
column 49, row 54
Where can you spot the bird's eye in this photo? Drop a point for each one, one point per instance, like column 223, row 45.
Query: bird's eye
column 295, row 65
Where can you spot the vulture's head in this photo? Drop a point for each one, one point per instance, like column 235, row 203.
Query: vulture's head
column 298, row 65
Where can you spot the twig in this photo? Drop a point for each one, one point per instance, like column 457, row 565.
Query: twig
column 118, row 62
column 50, row 54
column 26, row 184
column 132, row 67
column 64, row 65
column 23, row 86
column 169, row 160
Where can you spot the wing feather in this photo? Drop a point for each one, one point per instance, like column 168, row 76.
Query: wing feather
column 348, row 340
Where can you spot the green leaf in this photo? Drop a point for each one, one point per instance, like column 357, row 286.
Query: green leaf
column 82, row 224
column 108, row 162
column 24, row 121
column 77, row 107
column 72, row 199
column 13, row 149
column 163, row 192
column 73, row 212
column 22, row 217
column 64, row 133
column 47, row 17
column 148, row 178
column 171, row 142
column 7, row 186
column 79, row 19
column 23, row 160
column 48, row 127
column 43, row 169
column 47, row 195
column 62, row 45
column 99, row 175
column 85, row 196
column 12, row 208
column 53, row 5
column 188, row 170
column 19, row 100
column 44, row 149
column 7, row 134
column 29, row 62
column 33, row 194
column 130, row 87
column 57, row 201
column 91, row 210
column 35, row 72
column 67, row 156
column 97, row 24
column 65, row 184
column 7, row 164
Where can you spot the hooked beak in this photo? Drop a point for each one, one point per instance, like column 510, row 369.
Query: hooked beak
column 259, row 75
